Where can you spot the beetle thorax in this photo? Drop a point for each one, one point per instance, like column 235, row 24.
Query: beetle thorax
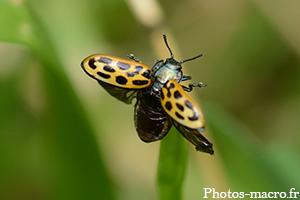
column 171, row 69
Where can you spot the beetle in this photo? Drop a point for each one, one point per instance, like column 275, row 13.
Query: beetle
column 161, row 100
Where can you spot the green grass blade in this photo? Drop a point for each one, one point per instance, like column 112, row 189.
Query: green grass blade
column 172, row 165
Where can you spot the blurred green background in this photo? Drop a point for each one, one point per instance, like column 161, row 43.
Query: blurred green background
column 63, row 137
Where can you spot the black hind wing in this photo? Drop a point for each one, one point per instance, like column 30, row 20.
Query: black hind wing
column 125, row 95
column 150, row 124
column 195, row 137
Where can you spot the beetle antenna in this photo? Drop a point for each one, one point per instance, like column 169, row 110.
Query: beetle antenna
column 192, row 58
column 166, row 42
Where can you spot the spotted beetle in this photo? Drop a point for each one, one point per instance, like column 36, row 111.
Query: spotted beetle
column 161, row 100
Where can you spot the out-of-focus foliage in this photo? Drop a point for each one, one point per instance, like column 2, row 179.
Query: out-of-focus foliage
column 48, row 150
column 63, row 137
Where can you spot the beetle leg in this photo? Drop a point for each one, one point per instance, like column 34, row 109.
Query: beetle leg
column 192, row 85
column 132, row 57
column 185, row 78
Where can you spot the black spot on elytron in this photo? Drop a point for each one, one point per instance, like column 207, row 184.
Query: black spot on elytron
column 179, row 106
column 108, row 68
column 138, row 68
column 121, row 80
column 105, row 60
column 172, row 85
column 146, row 73
column 139, row 82
column 179, row 116
column 195, row 117
column 123, row 66
column 169, row 93
column 162, row 95
column 177, row 94
column 189, row 104
column 168, row 105
column 92, row 63
column 106, row 76
column 131, row 74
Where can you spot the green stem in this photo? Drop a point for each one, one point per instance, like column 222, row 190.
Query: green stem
column 171, row 166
